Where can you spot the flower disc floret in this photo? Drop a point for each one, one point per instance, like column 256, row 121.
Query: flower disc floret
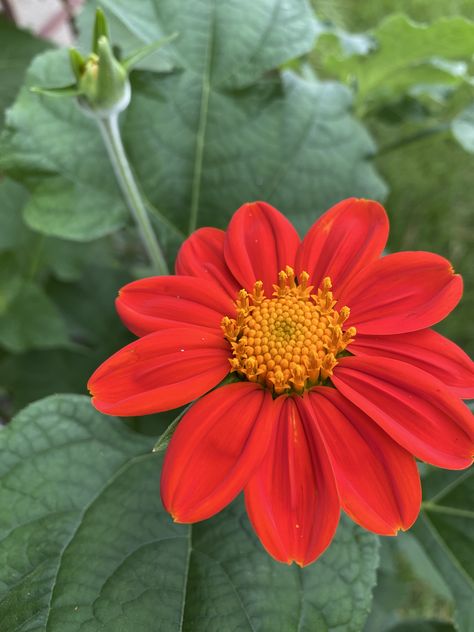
column 292, row 341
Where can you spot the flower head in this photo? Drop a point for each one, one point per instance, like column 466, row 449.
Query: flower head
column 340, row 382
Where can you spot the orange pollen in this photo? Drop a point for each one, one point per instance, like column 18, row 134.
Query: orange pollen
column 292, row 341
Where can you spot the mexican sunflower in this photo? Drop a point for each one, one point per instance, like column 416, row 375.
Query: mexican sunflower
column 339, row 381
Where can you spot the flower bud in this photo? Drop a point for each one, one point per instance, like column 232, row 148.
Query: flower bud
column 103, row 84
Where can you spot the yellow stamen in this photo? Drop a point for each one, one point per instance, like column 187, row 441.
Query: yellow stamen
column 242, row 301
column 324, row 298
column 313, row 366
column 289, row 342
column 258, row 294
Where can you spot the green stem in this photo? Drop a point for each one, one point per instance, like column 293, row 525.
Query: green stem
column 113, row 141
column 449, row 511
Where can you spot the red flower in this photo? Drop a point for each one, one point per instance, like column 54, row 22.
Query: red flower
column 341, row 383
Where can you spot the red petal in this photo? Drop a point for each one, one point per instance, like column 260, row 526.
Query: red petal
column 402, row 292
column 161, row 371
column 413, row 407
column 292, row 499
column 427, row 350
column 346, row 238
column 377, row 479
column 259, row 243
column 202, row 255
column 165, row 302
column 215, row 449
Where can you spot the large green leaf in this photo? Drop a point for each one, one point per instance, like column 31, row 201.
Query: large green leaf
column 221, row 129
column 446, row 531
column 86, row 545
column 230, row 43
column 405, row 55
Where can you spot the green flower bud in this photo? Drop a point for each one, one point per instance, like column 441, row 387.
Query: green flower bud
column 102, row 87
column 103, row 83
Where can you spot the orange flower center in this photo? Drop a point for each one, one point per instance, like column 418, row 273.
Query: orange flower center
column 290, row 342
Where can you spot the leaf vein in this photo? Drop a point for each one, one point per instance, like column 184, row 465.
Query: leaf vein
column 106, row 485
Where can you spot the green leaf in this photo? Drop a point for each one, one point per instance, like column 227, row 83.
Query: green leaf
column 225, row 128
column 463, row 129
column 445, row 530
column 36, row 254
column 18, row 48
column 290, row 144
column 31, row 321
column 86, row 545
column 130, row 30
column 406, row 54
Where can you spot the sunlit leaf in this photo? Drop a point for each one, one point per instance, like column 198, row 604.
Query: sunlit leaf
column 406, row 54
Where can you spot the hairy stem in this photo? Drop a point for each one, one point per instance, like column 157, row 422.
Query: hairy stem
column 113, row 141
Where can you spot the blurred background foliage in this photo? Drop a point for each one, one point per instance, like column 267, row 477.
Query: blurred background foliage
column 356, row 15
column 408, row 67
